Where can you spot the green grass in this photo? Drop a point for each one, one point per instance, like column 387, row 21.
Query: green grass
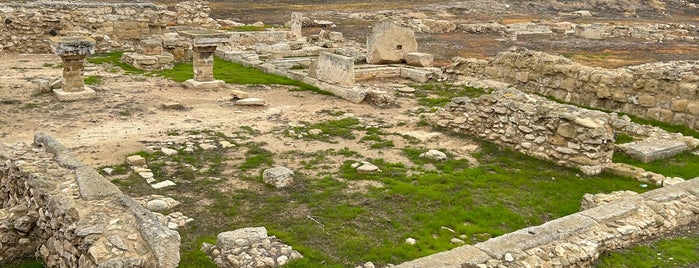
column 684, row 165
column 93, row 80
column 248, row 28
column 439, row 94
column 113, row 58
column 622, row 138
column 676, row 252
column 333, row 227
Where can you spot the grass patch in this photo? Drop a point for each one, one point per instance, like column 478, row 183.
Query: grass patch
column 334, row 227
column 684, row 165
column 439, row 94
column 622, row 138
column 248, row 28
column 114, row 58
column 93, row 80
column 676, row 252
column 23, row 263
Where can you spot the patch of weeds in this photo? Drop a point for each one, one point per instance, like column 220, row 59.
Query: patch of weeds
column 684, row 165
column 256, row 157
column 439, row 94
column 10, row 102
column 248, row 28
column 676, row 252
column 52, row 65
column 346, row 152
column 23, row 263
column 125, row 112
column 114, row 59
column 172, row 132
column 622, row 138
column 249, row 130
column 332, row 112
column 93, row 80
column 31, row 105
column 338, row 128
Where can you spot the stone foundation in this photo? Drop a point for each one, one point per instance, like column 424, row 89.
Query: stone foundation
column 665, row 92
column 70, row 216
column 535, row 126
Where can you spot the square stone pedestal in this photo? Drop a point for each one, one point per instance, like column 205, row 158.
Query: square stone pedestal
column 85, row 94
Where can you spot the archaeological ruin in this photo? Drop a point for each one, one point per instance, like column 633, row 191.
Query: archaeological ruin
column 352, row 117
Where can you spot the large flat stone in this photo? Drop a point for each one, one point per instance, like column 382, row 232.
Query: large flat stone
column 206, row 85
column 653, row 149
column 611, row 211
column 464, row 256
column 86, row 94
column 335, row 69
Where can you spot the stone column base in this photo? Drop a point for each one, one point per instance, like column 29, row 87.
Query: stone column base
column 215, row 84
column 87, row 93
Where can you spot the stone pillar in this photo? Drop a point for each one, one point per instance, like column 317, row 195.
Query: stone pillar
column 203, row 58
column 296, row 24
column 73, row 50
column 204, row 43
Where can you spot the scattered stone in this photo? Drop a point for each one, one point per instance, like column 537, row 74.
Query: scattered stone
column 168, row 151
column 366, row 265
column 251, row 102
column 367, row 167
column 226, row 144
column 672, row 181
column 239, row 94
column 157, row 205
column 315, row 131
column 136, row 160
column 652, row 149
column 206, row 146
column 173, row 106
column 380, row 98
column 406, row 89
column 457, row 241
column 419, row 59
column 410, row 241
column 163, row 184
column 108, row 171
column 434, row 155
column 278, row 176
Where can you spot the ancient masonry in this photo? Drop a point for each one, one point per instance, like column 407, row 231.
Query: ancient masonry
column 535, row 126
column 665, row 92
column 577, row 240
column 73, row 50
column 115, row 26
column 204, row 43
column 67, row 214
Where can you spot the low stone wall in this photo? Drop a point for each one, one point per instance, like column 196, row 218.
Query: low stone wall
column 116, row 26
column 577, row 240
column 70, row 216
column 665, row 92
column 535, row 126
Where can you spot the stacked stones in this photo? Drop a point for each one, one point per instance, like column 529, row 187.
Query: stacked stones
column 72, row 216
column 151, row 57
column 661, row 91
column 115, row 26
column 577, row 240
column 534, row 126
column 249, row 248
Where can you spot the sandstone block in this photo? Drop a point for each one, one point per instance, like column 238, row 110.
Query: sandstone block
column 335, row 69
column 646, row 100
column 679, row 105
column 653, row 149
column 136, row 160
column 693, row 108
column 388, row 42
column 419, row 59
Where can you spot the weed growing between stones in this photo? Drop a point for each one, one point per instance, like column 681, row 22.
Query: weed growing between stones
column 684, row 165
column 441, row 204
column 676, row 252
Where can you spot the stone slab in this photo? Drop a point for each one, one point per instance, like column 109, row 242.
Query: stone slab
column 163, row 184
column 206, row 37
column 335, row 69
column 72, row 45
column 206, row 85
column 86, row 94
column 653, row 149
column 419, row 59
column 92, row 186
column 464, row 256
column 610, row 212
column 417, row 75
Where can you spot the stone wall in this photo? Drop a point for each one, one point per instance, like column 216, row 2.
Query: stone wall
column 70, row 216
column 665, row 92
column 116, row 26
column 535, row 126
column 577, row 240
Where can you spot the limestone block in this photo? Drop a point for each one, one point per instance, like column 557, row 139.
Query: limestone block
column 646, row 100
column 296, row 24
column 660, row 114
column 679, row 105
column 280, row 176
column 693, row 108
column 241, row 237
column 419, row 59
column 416, row 74
column 389, row 42
column 653, row 149
column 335, row 69
column 136, row 160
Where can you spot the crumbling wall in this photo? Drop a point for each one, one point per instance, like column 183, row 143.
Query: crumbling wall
column 577, row 240
column 25, row 27
column 70, row 216
column 665, row 92
column 535, row 126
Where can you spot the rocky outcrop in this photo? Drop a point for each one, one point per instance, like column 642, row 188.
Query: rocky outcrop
column 665, row 92
column 70, row 216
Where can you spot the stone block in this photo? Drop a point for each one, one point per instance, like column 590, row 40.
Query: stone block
column 693, row 108
column 136, row 160
column 388, row 42
column 335, row 69
column 464, row 256
column 679, row 105
column 205, row 85
column 417, row 75
column 647, row 100
column 419, row 59
column 653, row 149
column 86, row 94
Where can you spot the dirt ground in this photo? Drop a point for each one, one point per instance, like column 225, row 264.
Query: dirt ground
column 128, row 113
